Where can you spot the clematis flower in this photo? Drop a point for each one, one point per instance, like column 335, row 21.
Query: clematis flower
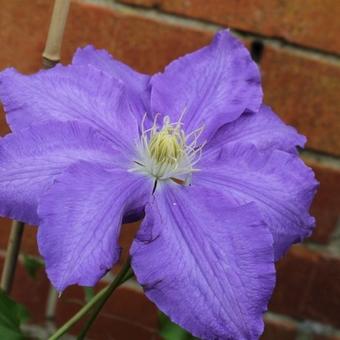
column 213, row 171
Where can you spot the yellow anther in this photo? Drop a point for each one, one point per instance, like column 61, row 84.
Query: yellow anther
column 167, row 146
column 166, row 152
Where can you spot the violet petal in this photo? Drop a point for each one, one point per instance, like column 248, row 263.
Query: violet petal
column 280, row 184
column 81, row 93
column 136, row 83
column 210, row 87
column 81, row 216
column 32, row 158
column 209, row 267
column 264, row 129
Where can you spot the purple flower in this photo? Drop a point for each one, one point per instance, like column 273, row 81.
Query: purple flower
column 215, row 172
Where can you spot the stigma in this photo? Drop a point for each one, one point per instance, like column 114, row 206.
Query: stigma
column 166, row 152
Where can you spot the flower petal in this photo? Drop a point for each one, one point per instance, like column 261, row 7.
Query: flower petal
column 209, row 267
column 81, row 215
column 81, row 93
column 264, row 129
column 210, row 87
column 279, row 183
column 134, row 81
column 32, row 158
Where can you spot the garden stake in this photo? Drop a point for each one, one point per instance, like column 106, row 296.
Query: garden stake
column 11, row 258
column 51, row 56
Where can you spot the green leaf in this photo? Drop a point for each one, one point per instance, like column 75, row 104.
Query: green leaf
column 171, row 331
column 11, row 316
column 32, row 265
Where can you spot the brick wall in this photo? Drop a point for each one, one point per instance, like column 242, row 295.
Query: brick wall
column 297, row 46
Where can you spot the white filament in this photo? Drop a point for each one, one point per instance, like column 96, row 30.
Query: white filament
column 167, row 152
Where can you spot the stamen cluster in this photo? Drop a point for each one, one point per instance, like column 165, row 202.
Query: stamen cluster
column 167, row 152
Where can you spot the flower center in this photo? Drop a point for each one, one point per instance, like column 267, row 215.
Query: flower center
column 167, row 146
column 166, row 152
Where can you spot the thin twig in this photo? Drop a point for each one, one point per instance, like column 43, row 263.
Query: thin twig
column 51, row 304
column 11, row 258
column 96, row 310
column 99, row 299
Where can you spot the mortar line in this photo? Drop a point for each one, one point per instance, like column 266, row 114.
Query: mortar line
column 199, row 24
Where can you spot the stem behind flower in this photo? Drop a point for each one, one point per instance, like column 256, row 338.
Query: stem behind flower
column 96, row 302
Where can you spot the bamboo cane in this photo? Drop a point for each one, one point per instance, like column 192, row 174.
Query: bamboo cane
column 50, row 57
column 51, row 54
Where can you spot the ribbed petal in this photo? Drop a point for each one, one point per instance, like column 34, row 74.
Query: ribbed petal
column 209, row 87
column 81, row 93
column 264, row 129
column 279, row 183
column 32, row 158
column 209, row 267
column 81, row 215
column 135, row 82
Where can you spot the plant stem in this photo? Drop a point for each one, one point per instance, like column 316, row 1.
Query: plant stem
column 100, row 299
column 12, row 256
column 51, row 304
column 128, row 275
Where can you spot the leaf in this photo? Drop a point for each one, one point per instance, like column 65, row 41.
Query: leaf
column 11, row 316
column 32, row 265
column 171, row 331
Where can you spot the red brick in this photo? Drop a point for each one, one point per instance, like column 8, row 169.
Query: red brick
column 302, row 90
column 307, row 100
column 279, row 330
column 326, row 205
column 23, row 30
column 145, row 44
column 313, row 25
column 308, row 286
column 127, row 315
column 326, row 337
column 305, row 92
column 32, row 293
column 29, row 243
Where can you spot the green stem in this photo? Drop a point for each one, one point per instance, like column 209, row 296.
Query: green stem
column 99, row 298
column 99, row 306
column 12, row 255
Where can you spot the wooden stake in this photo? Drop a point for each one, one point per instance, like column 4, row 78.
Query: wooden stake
column 51, row 54
column 51, row 57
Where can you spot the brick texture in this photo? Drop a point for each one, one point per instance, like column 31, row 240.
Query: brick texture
column 22, row 35
column 326, row 206
column 279, row 330
column 307, row 100
column 307, row 286
column 313, row 24
column 32, row 293
column 29, row 244
column 126, row 315
column 304, row 92
column 326, row 337
column 302, row 87
column 142, row 43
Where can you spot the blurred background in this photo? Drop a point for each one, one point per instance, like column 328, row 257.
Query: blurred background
column 297, row 45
